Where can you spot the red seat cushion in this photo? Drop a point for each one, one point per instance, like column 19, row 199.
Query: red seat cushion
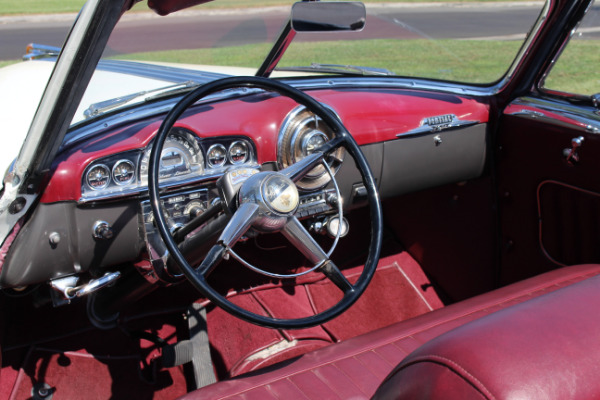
column 545, row 348
column 355, row 368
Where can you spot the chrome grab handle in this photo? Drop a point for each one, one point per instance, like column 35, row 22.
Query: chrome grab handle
column 66, row 286
column 572, row 155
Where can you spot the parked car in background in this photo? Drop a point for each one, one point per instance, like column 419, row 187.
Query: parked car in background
column 317, row 200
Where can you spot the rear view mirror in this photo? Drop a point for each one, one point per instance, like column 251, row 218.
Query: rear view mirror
column 317, row 16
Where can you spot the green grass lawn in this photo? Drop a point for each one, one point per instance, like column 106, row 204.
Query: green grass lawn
column 15, row 7
column 575, row 71
column 474, row 61
column 454, row 60
column 485, row 61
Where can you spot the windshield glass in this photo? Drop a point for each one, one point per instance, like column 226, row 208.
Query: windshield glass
column 472, row 42
column 468, row 42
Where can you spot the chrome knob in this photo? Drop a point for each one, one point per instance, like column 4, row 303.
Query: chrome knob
column 102, row 230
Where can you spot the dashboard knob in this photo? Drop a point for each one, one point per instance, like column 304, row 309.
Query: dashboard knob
column 173, row 225
column 332, row 199
column 336, row 224
column 194, row 209
column 102, row 230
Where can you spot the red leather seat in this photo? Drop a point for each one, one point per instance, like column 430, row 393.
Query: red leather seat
column 545, row 348
column 356, row 368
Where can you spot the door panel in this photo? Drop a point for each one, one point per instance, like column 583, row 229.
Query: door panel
column 548, row 206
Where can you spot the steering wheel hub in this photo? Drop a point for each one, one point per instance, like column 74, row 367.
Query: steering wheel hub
column 280, row 194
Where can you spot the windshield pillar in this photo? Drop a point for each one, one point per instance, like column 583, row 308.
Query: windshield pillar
column 72, row 72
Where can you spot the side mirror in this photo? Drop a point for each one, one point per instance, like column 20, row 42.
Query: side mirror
column 317, row 16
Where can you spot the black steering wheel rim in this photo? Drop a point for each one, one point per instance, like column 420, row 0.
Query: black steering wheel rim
column 198, row 280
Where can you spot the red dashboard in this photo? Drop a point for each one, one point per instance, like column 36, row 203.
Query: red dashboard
column 371, row 116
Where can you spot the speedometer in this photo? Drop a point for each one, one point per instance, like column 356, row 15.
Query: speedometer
column 181, row 155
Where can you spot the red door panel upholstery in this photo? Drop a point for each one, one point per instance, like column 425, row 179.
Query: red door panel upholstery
column 531, row 153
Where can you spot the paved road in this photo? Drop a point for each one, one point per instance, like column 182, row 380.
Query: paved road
column 194, row 29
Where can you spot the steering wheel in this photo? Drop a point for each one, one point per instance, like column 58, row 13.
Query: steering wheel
column 266, row 201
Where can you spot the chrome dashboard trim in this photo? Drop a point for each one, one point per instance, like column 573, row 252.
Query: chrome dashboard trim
column 205, row 179
column 436, row 124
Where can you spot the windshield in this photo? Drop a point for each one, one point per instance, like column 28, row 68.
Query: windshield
column 471, row 42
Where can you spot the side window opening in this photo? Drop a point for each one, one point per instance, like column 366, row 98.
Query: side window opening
column 575, row 71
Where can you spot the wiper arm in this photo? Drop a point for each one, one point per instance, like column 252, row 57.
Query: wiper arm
column 101, row 107
column 339, row 69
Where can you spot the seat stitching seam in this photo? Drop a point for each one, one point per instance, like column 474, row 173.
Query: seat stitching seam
column 452, row 365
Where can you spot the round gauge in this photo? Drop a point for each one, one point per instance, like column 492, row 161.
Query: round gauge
column 181, row 155
column 216, row 156
column 123, row 172
column 238, row 152
column 312, row 141
column 98, row 177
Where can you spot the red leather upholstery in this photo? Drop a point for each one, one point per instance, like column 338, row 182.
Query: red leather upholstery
column 546, row 348
column 355, row 368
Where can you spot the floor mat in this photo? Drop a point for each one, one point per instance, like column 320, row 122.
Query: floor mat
column 399, row 291
column 73, row 375
column 94, row 364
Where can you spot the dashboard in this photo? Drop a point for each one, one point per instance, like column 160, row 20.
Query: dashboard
column 96, row 201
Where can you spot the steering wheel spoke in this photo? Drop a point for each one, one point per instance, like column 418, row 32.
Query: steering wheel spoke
column 301, row 239
column 238, row 225
column 212, row 259
column 298, row 170
column 295, row 232
column 334, row 274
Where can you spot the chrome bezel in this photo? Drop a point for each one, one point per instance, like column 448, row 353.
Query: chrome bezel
column 208, row 160
column 246, row 158
column 130, row 180
column 297, row 126
column 108, row 174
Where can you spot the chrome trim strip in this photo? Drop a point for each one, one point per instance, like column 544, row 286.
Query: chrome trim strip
column 372, row 82
column 585, row 119
column 144, row 190
column 161, row 72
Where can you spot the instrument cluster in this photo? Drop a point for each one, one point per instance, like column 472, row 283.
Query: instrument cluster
column 185, row 158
